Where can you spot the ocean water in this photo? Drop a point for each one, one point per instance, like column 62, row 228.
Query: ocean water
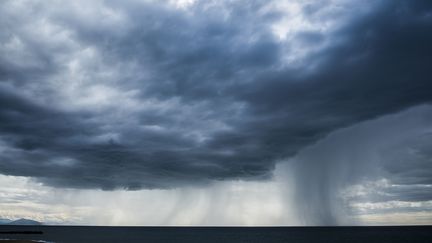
column 83, row 234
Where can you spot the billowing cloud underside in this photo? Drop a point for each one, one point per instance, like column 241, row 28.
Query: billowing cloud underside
column 127, row 94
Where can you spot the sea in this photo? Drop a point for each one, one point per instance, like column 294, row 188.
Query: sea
column 84, row 234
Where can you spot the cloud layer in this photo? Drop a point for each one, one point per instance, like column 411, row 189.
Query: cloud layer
column 136, row 95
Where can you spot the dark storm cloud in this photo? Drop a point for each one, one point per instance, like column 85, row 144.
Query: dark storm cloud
column 210, row 95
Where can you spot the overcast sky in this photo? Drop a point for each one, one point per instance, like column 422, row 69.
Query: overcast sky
column 216, row 112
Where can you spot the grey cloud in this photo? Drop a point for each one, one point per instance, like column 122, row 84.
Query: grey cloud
column 380, row 161
column 209, row 95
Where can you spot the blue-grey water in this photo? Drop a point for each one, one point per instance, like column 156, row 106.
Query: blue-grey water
column 83, row 234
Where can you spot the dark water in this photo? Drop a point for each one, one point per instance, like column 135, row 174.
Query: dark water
column 409, row 234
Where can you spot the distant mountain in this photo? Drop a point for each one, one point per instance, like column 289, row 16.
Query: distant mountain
column 23, row 222
column 5, row 221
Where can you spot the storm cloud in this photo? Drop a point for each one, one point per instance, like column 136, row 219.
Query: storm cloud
column 374, row 167
column 139, row 95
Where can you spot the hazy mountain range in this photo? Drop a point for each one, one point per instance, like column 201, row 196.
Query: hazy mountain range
column 21, row 221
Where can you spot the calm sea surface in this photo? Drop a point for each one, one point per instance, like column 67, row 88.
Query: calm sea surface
column 66, row 234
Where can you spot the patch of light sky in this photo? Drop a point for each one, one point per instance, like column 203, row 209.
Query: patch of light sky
column 223, row 203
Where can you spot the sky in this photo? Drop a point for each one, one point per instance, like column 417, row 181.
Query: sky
column 188, row 112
